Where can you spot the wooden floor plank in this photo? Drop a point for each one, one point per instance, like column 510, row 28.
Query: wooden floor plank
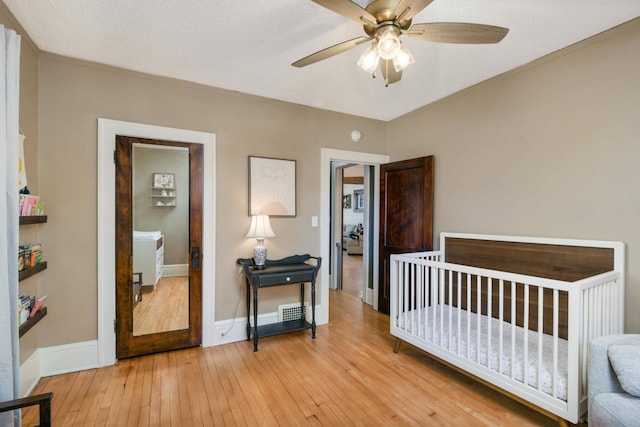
column 348, row 375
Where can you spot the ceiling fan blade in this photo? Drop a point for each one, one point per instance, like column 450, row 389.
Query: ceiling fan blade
column 346, row 8
column 415, row 7
column 389, row 73
column 330, row 51
column 457, row 32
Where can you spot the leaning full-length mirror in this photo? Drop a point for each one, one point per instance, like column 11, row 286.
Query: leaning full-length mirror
column 160, row 208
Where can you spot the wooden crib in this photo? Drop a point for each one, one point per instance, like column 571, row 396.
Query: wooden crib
column 517, row 313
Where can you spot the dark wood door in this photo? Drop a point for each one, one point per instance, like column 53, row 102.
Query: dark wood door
column 406, row 215
column 129, row 344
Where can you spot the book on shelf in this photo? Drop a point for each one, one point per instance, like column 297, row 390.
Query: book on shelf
column 29, row 256
column 37, row 306
column 36, row 253
column 31, row 205
column 25, row 305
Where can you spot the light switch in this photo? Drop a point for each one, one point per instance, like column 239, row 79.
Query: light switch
column 314, row 221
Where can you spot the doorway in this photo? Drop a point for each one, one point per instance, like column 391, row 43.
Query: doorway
column 350, row 188
column 107, row 131
column 159, row 224
column 332, row 234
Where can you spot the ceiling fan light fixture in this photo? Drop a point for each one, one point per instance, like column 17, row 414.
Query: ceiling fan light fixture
column 388, row 43
column 403, row 59
column 370, row 59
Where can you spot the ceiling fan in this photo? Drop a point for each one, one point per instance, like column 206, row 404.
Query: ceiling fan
column 384, row 21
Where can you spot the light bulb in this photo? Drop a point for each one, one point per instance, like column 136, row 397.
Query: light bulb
column 403, row 59
column 388, row 44
column 369, row 59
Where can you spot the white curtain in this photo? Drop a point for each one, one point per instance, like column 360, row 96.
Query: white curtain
column 9, row 141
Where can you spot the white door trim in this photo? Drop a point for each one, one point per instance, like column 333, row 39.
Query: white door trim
column 107, row 131
column 328, row 155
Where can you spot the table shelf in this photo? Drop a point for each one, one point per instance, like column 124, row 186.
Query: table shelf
column 283, row 327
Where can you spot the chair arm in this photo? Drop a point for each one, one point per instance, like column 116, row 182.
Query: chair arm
column 42, row 400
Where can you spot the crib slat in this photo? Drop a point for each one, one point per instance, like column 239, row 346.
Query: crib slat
column 501, row 319
column 478, row 318
column 540, row 336
column 459, row 320
column 413, row 297
column 450, row 298
column 434, row 301
column 468, row 317
column 526, row 335
column 556, row 309
column 440, row 307
column 513, row 329
column 489, row 319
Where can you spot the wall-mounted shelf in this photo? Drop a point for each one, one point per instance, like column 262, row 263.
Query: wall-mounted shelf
column 34, row 219
column 24, row 274
column 161, row 196
column 26, row 326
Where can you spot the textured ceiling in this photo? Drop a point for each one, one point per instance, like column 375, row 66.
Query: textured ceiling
column 249, row 45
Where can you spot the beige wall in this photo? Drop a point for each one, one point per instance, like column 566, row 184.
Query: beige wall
column 550, row 150
column 73, row 95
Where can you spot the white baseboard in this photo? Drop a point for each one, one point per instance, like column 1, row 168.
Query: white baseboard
column 56, row 360
column 30, row 374
column 369, row 296
column 234, row 330
column 79, row 356
column 68, row 358
column 175, row 270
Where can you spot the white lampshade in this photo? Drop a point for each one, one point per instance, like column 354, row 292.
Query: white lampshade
column 260, row 227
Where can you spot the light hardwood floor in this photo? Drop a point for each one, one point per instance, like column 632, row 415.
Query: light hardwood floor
column 348, row 375
column 166, row 308
column 352, row 274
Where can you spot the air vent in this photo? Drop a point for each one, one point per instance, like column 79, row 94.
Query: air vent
column 288, row 312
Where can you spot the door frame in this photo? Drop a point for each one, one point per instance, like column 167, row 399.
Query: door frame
column 328, row 155
column 107, row 131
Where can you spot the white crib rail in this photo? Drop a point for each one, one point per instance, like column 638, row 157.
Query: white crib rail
column 421, row 281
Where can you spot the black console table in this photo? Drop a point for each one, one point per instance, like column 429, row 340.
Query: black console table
column 278, row 273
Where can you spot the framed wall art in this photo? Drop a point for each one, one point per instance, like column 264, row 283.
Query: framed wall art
column 272, row 187
column 164, row 180
column 358, row 201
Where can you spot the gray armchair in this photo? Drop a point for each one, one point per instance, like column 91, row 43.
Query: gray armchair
column 614, row 381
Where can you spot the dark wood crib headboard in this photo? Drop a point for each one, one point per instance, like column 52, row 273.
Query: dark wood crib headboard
column 548, row 258
column 551, row 261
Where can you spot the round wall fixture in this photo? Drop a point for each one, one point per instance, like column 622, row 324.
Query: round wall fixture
column 356, row 135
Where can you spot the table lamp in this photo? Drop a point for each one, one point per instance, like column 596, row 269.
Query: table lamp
column 260, row 230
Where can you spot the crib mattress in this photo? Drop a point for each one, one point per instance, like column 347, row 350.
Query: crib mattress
column 486, row 351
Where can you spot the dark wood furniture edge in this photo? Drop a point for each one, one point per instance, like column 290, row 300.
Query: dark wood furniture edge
column 32, row 219
column 42, row 400
column 25, row 274
column 257, row 330
column 26, row 326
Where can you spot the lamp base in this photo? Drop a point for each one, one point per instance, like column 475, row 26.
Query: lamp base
column 259, row 255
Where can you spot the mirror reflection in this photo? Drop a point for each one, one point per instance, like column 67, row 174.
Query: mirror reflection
column 160, row 208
